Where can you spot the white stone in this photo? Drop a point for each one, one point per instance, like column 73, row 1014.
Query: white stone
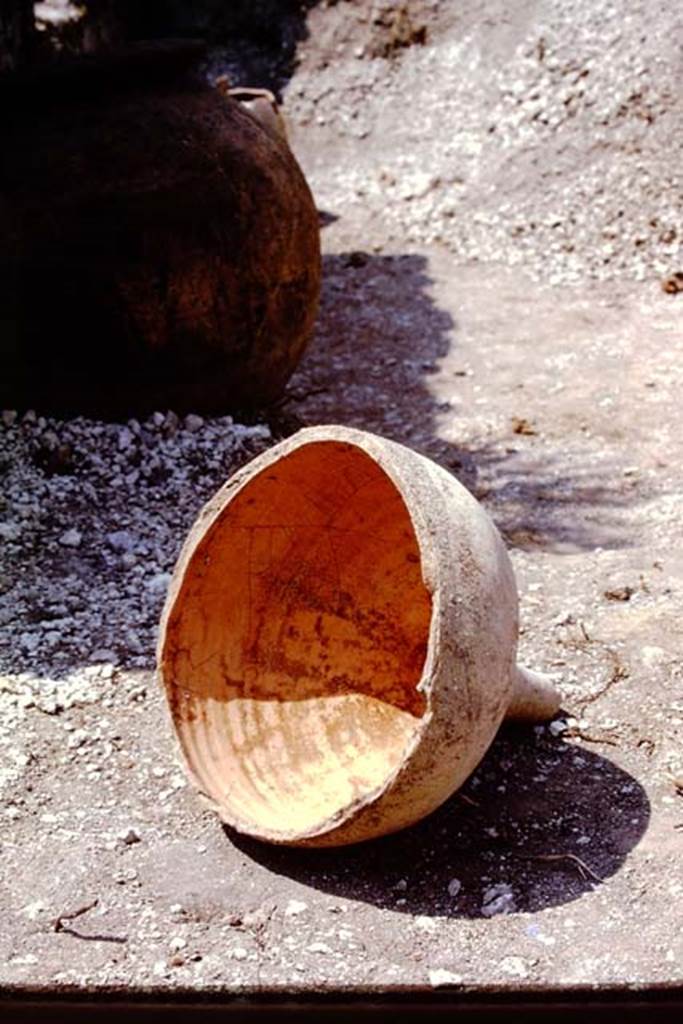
column 10, row 531
column 125, row 438
column 158, row 583
column 514, row 966
column 121, row 540
column 319, row 947
column 77, row 739
column 103, row 654
column 295, row 907
column 71, row 538
column 652, row 655
column 498, row 899
column 425, row 924
column 454, row 886
column 439, row 977
column 33, row 910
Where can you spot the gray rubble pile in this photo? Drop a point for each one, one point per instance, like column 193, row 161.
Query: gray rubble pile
column 92, row 516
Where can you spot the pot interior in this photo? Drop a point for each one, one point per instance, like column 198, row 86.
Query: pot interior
column 296, row 642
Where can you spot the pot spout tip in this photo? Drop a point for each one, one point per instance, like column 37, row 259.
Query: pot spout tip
column 534, row 698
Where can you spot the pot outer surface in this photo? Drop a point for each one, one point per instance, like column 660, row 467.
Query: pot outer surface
column 158, row 247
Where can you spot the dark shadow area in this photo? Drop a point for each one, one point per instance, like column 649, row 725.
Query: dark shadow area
column 542, row 500
column 540, row 819
column 253, row 42
column 326, row 218
column 378, row 339
column 655, row 1004
column 378, row 334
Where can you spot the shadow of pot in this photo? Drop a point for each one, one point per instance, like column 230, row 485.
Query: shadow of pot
column 158, row 247
column 539, row 815
column 338, row 645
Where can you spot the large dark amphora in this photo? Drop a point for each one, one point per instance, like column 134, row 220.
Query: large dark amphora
column 158, row 246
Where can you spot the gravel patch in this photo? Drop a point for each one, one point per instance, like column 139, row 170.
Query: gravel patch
column 92, row 518
column 543, row 134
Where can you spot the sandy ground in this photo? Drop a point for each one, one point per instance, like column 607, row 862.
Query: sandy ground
column 541, row 365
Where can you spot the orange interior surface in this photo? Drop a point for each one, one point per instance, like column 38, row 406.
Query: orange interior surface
column 297, row 641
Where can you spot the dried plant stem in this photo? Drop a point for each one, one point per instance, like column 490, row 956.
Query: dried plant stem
column 584, row 870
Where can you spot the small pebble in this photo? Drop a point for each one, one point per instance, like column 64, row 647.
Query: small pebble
column 158, row 583
column 77, row 738
column 193, row 422
column 125, row 438
column 295, row 907
column 319, row 947
column 425, row 924
column 498, row 899
column 128, row 837
column 171, row 424
column 454, row 886
column 514, row 966
column 103, row 654
column 121, row 540
column 71, row 538
column 441, row 978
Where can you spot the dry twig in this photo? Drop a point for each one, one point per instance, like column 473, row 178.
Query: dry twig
column 584, row 870
column 468, row 800
column 677, row 781
column 70, row 915
column 619, row 671
column 580, row 734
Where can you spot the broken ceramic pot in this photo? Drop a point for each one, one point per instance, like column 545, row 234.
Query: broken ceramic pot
column 338, row 646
